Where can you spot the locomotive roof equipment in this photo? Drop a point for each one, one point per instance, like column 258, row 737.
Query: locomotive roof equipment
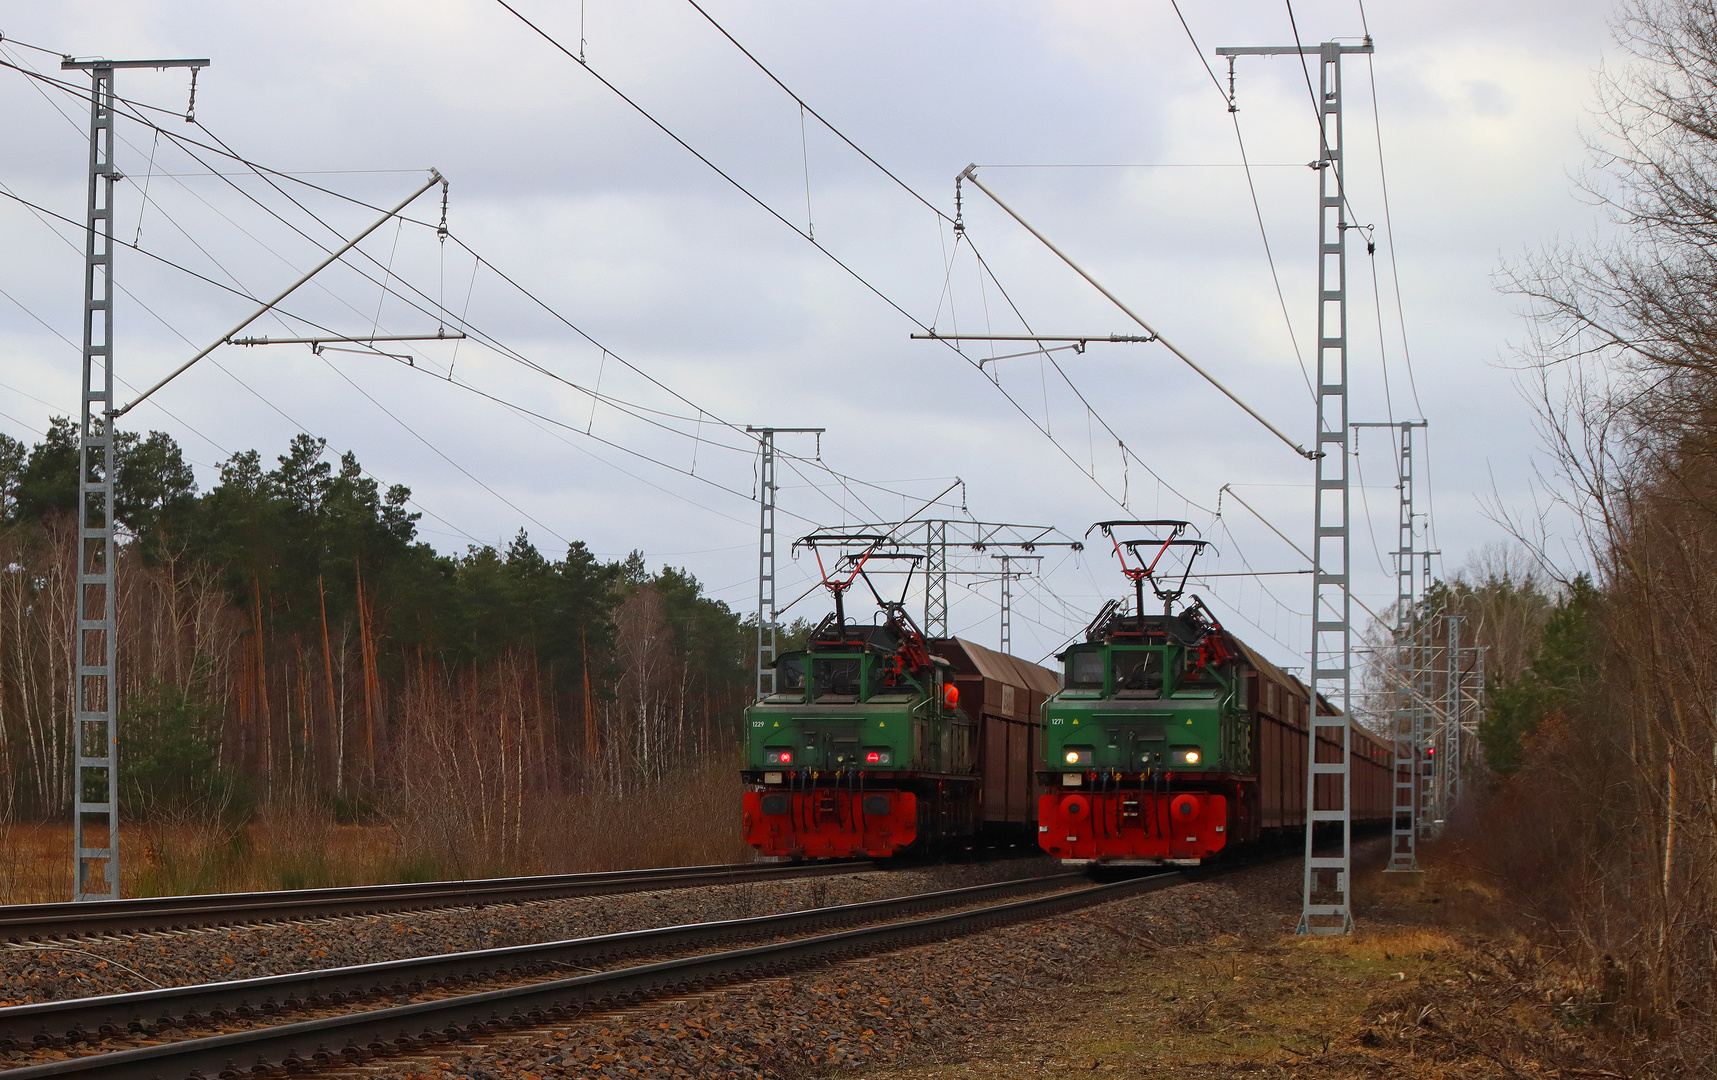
column 1138, row 571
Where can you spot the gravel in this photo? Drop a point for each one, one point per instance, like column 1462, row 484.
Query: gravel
column 935, row 1003
column 931, row 1003
column 88, row 967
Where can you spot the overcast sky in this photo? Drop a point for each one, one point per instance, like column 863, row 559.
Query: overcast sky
column 698, row 312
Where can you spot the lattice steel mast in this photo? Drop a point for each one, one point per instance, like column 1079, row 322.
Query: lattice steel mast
column 1326, row 888
column 766, row 489
column 1008, row 575
column 1448, row 766
column 936, row 579
column 95, row 773
column 1412, row 667
column 1472, row 688
column 1424, row 707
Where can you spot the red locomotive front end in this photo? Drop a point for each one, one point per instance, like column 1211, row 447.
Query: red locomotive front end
column 1120, row 827
column 830, row 823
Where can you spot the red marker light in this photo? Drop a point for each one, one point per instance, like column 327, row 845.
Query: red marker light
column 786, row 757
column 872, row 758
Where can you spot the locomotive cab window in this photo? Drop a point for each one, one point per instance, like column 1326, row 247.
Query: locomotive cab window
column 790, row 676
column 1138, row 673
column 1196, row 676
column 1085, row 669
column 836, row 677
column 888, row 680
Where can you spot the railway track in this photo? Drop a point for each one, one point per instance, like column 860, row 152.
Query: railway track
column 42, row 922
column 365, row 1034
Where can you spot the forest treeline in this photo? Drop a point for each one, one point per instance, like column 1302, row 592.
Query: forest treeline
column 286, row 636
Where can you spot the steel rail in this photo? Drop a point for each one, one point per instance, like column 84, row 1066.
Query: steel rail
column 362, row 1036
column 40, row 922
column 46, row 1023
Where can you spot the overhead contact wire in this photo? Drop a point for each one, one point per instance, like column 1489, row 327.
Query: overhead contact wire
column 1252, row 188
column 265, row 173
column 856, row 148
column 259, row 170
column 772, row 212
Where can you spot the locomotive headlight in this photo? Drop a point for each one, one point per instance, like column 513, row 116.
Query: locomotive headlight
column 1192, row 757
column 1186, row 755
column 1077, row 755
column 1072, row 757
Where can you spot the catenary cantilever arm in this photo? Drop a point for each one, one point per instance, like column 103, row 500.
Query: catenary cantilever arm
column 435, row 177
column 970, row 173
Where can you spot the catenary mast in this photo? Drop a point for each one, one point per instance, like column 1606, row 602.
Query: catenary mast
column 95, row 770
column 1326, row 892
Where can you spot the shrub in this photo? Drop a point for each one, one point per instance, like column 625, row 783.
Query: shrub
column 169, row 759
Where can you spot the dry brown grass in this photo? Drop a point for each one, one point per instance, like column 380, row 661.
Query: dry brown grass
column 35, row 861
column 1383, row 944
column 689, row 818
column 1420, row 992
column 163, row 860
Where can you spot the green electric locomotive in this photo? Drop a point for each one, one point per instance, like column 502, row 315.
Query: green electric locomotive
column 862, row 749
column 1171, row 741
column 1148, row 745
